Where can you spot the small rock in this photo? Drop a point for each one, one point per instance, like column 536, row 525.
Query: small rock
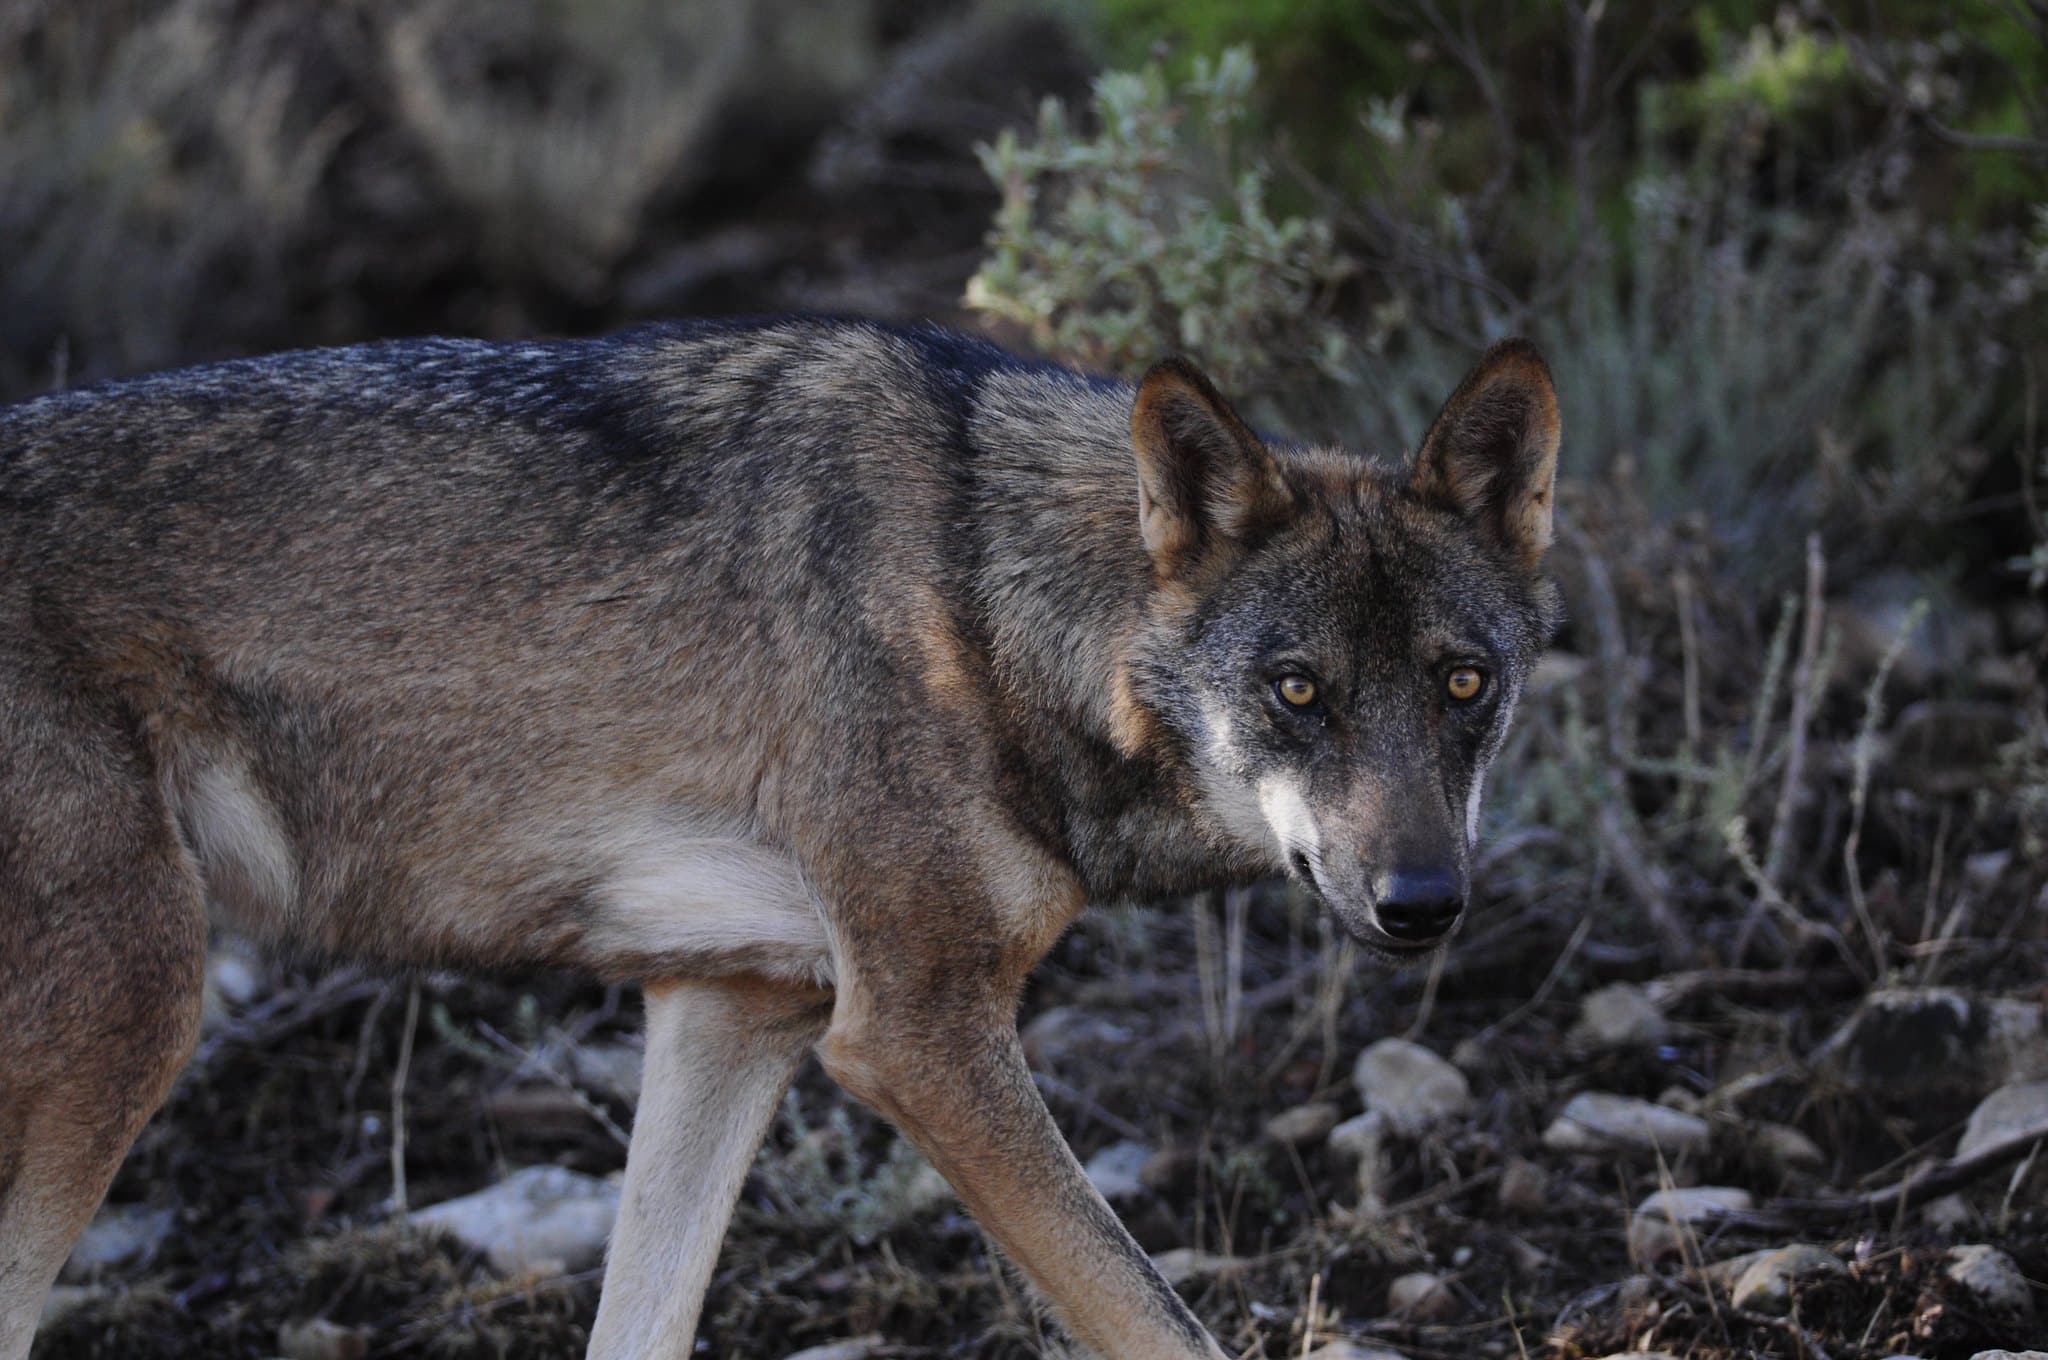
column 1598, row 1122
column 1410, row 1085
column 118, row 1236
column 1116, row 1171
column 1680, row 1099
column 1990, row 1355
column 2005, row 1113
column 1767, row 1284
column 1171, row 1169
column 538, row 1218
column 1640, row 1355
column 1304, row 1125
column 1524, row 1187
column 1920, row 1040
column 860, row 1348
column 1527, row 1259
column 1658, row 1228
column 1785, row 1149
column 1063, row 1035
column 1358, row 1138
column 1421, row 1297
column 65, row 1298
column 928, row 1192
column 1984, row 869
column 1184, row 1265
column 1620, row 1016
column 1992, row 1278
column 1950, row 1214
column 1351, row 1350
column 320, row 1339
column 612, row 1070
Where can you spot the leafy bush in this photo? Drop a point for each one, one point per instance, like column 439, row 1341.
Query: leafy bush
column 1153, row 232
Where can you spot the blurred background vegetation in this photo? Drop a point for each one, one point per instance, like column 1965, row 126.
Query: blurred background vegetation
column 1789, row 262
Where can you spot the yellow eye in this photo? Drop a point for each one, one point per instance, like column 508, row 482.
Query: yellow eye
column 1298, row 690
column 1465, row 683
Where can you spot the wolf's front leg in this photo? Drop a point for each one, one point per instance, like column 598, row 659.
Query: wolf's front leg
column 944, row 1064
column 719, row 1056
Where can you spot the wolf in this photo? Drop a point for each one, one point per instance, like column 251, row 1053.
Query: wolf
column 812, row 674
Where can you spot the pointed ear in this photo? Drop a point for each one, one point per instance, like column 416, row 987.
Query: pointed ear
column 1491, row 454
column 1204, row 479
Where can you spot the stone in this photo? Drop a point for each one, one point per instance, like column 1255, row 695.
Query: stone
column 1411, row 1086
column 1064, row 1035
column 1923, row 1040
column 611, row 1070
column 1992, row 1278
column 1598, row 1122
column 1304, row 1125
column 1421, row 1297
column 1351, row 1350
column 1171, row 1169
column 119, row 1235
column 1358, row 1137
column 1524, row 1187
column 1185, row 1265
column 1620, row 1016
column 321, row 1339
column 1658, row 1228
column 1766, row 1285
column 1117, row 1170
column 1950, row 1214
column 1990, row 1355
column 1785, row 1149
column 67, row 1298
column 538, row 1219
column 2005, row 1113
column 859, row 1348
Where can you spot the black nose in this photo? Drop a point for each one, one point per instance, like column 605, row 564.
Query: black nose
column 1418, row 905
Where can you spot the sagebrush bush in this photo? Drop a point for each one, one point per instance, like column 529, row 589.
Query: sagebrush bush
column 1146, row 227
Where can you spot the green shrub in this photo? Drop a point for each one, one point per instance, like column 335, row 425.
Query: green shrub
column 1152, row 232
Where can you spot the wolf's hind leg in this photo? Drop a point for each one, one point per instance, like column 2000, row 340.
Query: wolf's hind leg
column 719, row 1056
column 101, row 971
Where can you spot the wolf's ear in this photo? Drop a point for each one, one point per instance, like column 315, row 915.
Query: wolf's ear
column 1204, row 479
column 1491, row 454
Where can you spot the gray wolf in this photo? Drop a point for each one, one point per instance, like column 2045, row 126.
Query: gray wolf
column 813, row 674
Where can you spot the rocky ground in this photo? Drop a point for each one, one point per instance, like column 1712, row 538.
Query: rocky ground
column 1712, row 1163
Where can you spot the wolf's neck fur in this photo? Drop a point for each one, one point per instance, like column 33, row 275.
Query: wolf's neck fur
column 1067, row 593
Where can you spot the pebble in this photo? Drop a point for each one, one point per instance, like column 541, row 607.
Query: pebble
column 1411, row 1086
column 1597, row 1122
column 1524, row 1187
column 1620, row 1015
column 1351, row 1350
column 1992, row 1278
column 541, row 1218
column 1421, row 1297
column 1358, row 1137
column 1767, row 1284
column 1993, row 1355
column 321, row 1339
column 1950, row 1214
column 1185, row 1265
column 1116, row 1171
column 860, row 1348
column 1064, row 1035
column 1785, row 1149
column 1304, row 1125
column 2008, row 1111
column 612, row 1070
column 119, row 1235
column 1915, row 1040
column 1657, row 1229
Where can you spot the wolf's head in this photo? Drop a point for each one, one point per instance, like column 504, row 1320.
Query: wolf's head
column 1338, row 648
